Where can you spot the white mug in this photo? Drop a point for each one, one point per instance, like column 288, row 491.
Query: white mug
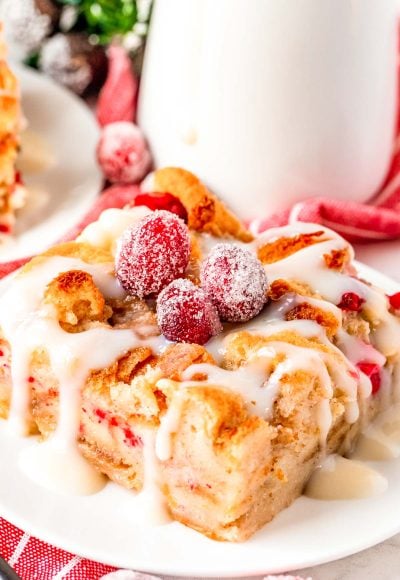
column 273, row 101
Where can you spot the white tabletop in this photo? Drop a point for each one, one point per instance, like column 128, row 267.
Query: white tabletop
column 379, row 563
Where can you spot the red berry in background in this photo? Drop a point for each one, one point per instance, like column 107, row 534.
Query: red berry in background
column 236, row 282
column 373, row 371
column 152, row 253
column 395, row 301
column 122, row 153
column 351, row 302
column 186, row 314
column 165, row 201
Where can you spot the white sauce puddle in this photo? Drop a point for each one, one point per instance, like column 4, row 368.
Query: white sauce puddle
column 341, row 478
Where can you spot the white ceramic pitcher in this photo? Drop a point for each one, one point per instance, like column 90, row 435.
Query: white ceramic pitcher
column 273, row 101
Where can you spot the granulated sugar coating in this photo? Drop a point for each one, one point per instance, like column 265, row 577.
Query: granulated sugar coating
column 122, row 153
column 152, row 253
column 186, row 314
column 236, row 282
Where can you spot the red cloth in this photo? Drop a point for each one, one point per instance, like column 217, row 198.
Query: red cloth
column 115, row 196
column 32, row 558
column 117, row 98
column 357, row 222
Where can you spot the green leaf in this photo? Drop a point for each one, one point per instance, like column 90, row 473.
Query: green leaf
column 108, row 18
column 32, row 60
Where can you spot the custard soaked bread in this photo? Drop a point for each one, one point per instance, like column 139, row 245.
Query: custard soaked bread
column 208, row 370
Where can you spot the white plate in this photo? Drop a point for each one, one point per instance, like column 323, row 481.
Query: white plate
column 102, row 527
column 62, row 193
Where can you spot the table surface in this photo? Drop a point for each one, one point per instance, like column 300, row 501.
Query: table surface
column 381, row 562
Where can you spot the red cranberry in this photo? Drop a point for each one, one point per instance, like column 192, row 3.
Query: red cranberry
column 152, row 253
column 132, row 439
column 373, row 371
column 122, row 153
column 186, row 314
column 100, row 414
column 351, row 302
column 236, row 282
column 165, row 201
column 394, row 300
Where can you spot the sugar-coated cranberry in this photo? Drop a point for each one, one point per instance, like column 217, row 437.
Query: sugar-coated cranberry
column 351, row 302
column 152, row 253
column 165, row 201
column 122, row 153
column 394, row 300
column 186, row 314
column 236, row 282
column 373, row 371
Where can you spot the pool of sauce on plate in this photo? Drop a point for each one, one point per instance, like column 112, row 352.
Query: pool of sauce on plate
column 351, row 478
column 341, row 478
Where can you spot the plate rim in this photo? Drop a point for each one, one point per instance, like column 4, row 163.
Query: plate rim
column 44, row 83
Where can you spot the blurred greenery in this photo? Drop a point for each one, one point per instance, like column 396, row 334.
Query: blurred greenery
column 104, row 18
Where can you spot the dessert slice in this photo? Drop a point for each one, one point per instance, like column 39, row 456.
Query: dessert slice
column 12, row 192
column 207, row 372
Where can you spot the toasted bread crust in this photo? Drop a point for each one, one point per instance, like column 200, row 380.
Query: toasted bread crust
column 205, row 212
column 286, row 246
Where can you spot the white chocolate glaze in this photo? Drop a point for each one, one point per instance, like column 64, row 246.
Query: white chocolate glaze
column 248, row 381
column 356, row 350
column 340, row 478
column 26, row 322
column 307, row 265
column 60, row 468
column 151, row 509
column 381, row 439
column 104, row 232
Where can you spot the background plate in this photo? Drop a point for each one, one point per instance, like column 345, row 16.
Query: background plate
column 102, row 526
column 63, row 192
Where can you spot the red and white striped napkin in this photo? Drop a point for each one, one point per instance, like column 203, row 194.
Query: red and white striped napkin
column 36, row 560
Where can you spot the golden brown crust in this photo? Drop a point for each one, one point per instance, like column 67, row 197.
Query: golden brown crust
column 305, row 311
column 280, row 287
column 77, row 300
column 80, row 250
column 178, row 357
column 337, row 259
column 206, row 213
column 284, row 247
